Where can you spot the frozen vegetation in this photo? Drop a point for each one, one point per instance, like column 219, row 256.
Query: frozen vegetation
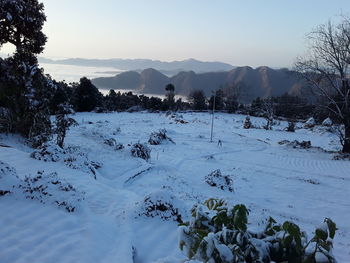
column 123, row 182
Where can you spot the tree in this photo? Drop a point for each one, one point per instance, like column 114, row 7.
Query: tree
column 62, row 95
column 63, row 122
column 326, row 68
column 154, row 103
column 268, row 109
column 198, row 100
column 232, row 95
column 21, row 24
column 112, row 100
column 25, row 90
column 293, row 107
column 170, row 96
column 86, row 95
column 219, row 100
column 35, row 122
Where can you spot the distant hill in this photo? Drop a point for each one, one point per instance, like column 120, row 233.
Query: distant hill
column 125, row 80
column 140, row 64
column 262, row 82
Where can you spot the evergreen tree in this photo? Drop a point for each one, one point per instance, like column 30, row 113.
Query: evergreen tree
column 231, row 104
column 144, row 101
column 25, row 90
column 198, row 100
column 219, row 100
column 112, row 100
column 169, row 97
column 154, row 103
column 62, row 95
column 21, row 24
column 86, row 96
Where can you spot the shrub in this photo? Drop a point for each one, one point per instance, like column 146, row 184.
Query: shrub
column 142, row 151
column 48, row 188
column 291, row 126
column 157, row 138
column 327, row 122
column 310, row 123
column 8, row 178
column 247, row 123
column 296, row 144
column 63, row 122
column 176, row 117
column 45, row 188
column 161, row 204
column 218, row 233
column 113, row 143
column 216, row 179
column 72, row 157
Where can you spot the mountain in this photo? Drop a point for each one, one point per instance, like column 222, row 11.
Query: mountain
column 140, row 64
column 125, row 80
column 262, row 82
column 153, row 81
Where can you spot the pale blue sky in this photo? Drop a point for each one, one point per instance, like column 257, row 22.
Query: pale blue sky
column 245, row 32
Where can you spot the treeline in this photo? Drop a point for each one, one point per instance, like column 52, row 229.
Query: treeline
column 84, row 96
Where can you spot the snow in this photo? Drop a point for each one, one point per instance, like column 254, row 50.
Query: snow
column 327, row 122
column 110, row 224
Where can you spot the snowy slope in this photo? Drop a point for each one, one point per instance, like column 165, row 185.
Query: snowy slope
column 110, row 224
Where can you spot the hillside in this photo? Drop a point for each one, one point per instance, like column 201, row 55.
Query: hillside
column 262, row 81
column 115, row 219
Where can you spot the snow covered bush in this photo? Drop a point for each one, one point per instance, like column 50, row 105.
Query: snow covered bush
column 176, row 117
column 8, row 178
column 161, row 204
column 291, row 126
column 327, row 122
column 296, row 144
column 49, row 188
column 269, row 123
column 63, row 122
column 72, row 157
column 216, row 179
column 310, row 123
column 342, row 156
column 140, row 150
column 45, row 188
column 247, row 123
column 218, row 233
column 159, row 137
column 113, row 143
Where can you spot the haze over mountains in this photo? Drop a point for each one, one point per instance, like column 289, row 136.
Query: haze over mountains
column 168, row 68
column 262, row 82
column 146, row 76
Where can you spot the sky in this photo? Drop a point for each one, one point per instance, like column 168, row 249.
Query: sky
column 239, row 32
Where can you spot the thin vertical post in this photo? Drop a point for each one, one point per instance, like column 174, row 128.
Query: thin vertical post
column 212, row 120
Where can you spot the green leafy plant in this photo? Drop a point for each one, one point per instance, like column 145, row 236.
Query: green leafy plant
column 322, row 242
column 219, row 233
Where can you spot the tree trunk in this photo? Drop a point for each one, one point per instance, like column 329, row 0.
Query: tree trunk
column 346, row 145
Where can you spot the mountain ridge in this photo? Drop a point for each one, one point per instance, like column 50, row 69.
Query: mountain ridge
column 259, row 82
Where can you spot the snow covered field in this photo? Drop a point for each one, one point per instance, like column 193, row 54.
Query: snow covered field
column 110, row 224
